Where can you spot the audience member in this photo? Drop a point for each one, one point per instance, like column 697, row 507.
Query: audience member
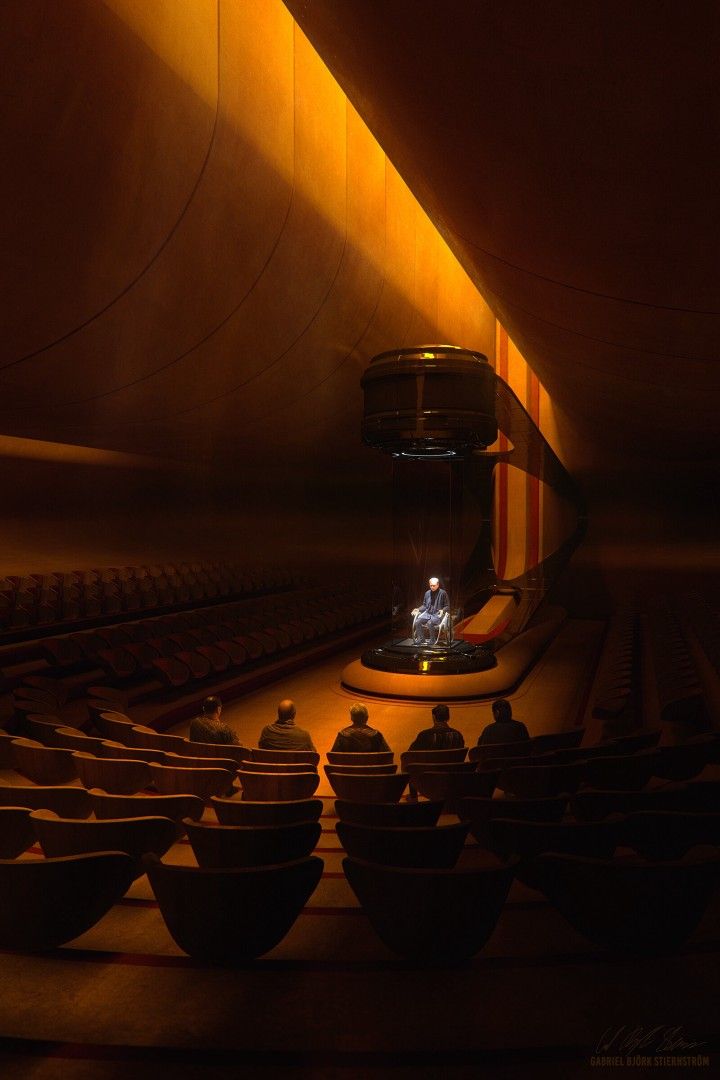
column 208, row 727
column 359, row 737
column 503, row 729
column 283, row 734
column 440, row 736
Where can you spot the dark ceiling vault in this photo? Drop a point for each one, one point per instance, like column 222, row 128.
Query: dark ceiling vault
column 570, row 154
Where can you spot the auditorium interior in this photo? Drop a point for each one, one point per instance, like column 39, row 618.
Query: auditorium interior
column 223, row 219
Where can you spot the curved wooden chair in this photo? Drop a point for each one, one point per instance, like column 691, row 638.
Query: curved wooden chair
column 635, row 907
column 479, row 811
column 430, row 915
column 450, row 787
column 274, row 767
column 526, row 839
column 6, row 757
column 630, row 744
column 416, row 767
column 111, row 749
column 67, row 801
column 391, row 813
column 217, row 846
column 239, row 812
column 179, row 780
column 231, row 916
column 149, row 739
column 360, row 770
column 354, row 787
column 135, row 835
column 117, row 699
column 68, row 738
column 557, row 740
column 629, row 772
column 591, row 805
column 540, row 781
column 426, row 847
column 175, row 807
column 285, row 757
column 39, row 727
column 277, row 787
column 239, row 754
column 360, row 757
column 16, row 831
column 47, row 902
column 183, row 761
column 42, row 764
column 55, row 687
column 488, row 752
column 685, row 761
column 113, row 725
column 116, row 776
column 662, row 835
column 429, row 757
column 701, row 796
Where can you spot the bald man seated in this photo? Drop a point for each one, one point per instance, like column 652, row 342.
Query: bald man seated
column 283, row 734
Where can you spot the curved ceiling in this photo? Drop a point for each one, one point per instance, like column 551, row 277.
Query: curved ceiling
column 570, row 154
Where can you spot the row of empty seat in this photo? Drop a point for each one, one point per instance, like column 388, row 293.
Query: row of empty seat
column 45, row 599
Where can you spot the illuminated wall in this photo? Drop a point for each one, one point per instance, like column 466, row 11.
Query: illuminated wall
column 207, row 247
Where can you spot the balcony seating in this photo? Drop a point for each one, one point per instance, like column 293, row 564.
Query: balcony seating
column 16, row 831
column 42, row 764
column 239, row 812
column 277, row 787
column 634, row 907
column 71, row 836
column 430, row 915
column 116, row 776
column 217, row 846
column 391, row 813
column 47, row 902
column 231, row 916
column 424, row 847
column 354, row 787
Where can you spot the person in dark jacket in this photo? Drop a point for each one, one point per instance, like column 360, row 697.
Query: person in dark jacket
column 440, row 736
column 283, row 734
column 208, row 727
column 503, row 729
column 359, row 737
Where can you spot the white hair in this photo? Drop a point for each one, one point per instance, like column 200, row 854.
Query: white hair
column 434, row 581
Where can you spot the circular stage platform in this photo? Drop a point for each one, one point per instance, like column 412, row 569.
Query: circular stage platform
column 435, row 683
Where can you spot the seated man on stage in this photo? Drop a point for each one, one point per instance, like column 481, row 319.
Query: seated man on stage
column 429, row 614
